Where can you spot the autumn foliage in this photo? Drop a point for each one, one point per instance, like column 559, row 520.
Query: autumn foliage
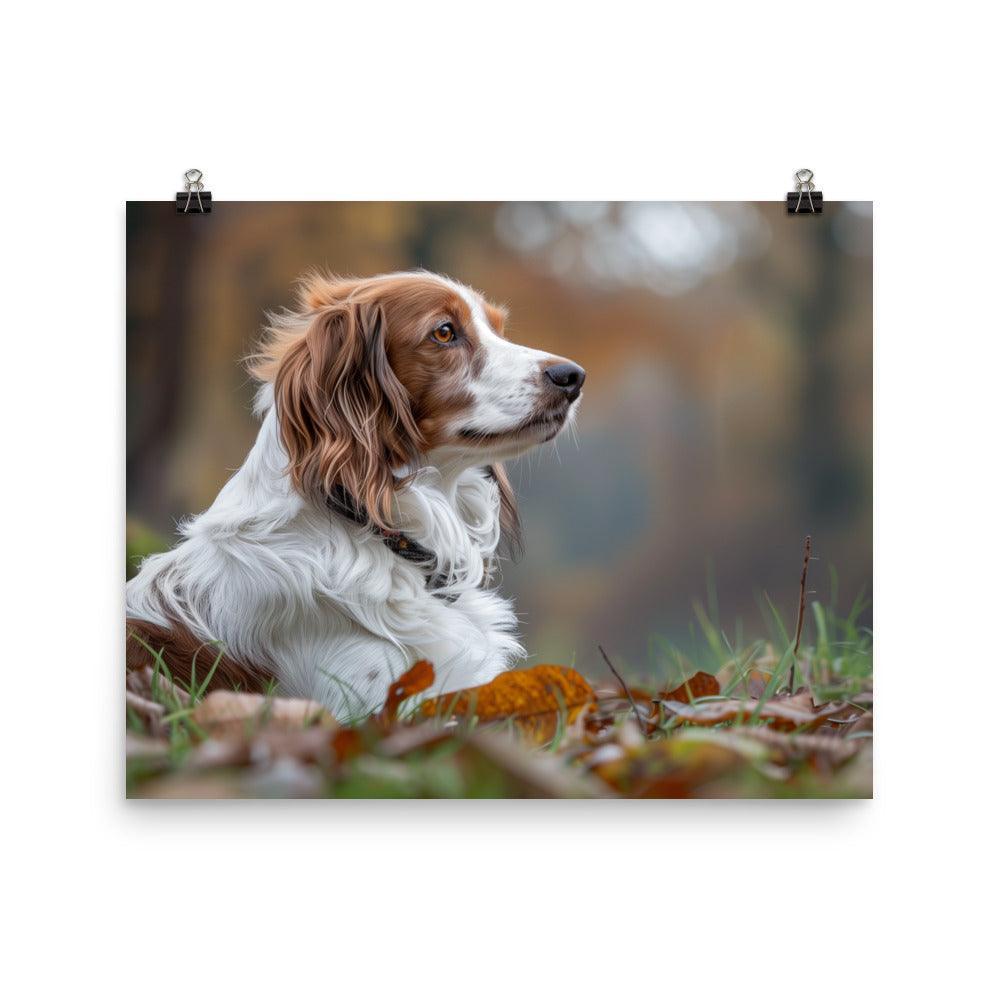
column 542, row 731
column 539, row 731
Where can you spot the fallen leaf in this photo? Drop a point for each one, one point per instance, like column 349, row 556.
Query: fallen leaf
column 530, row 774
column 139, row 747
column 404, row 740
column 860, row 727
column 756, row 683
column 148, row 711
column 612, row 703
column 783, row 713
column 641, row 708
column 312, row 746
column 347, row 743
column 284, row 778
column 418, row 678
column 701, row 685
column 676, row 767
column 190, row 784
column 789, row 746
column 533, row 698
column 155, row 686
column 228, row 714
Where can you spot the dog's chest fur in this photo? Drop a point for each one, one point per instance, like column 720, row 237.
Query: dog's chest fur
column 322, row 603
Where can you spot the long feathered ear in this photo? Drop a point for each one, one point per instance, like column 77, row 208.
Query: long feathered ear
column 345, row 419
column 510, row 520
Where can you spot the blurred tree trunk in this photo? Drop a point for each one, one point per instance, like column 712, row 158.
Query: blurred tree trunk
column 161, row 247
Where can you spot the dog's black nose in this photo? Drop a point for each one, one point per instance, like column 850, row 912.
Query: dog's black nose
column 567, row 377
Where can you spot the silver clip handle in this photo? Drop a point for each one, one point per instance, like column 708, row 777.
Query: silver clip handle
column 194, row 186
column 805, row 186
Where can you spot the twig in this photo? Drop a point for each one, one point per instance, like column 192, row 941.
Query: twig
column 628, row 694
column 802, row 613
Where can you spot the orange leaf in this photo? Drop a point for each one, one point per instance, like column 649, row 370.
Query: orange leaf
column 533, row 698
column 701, row 685
column 347, row 743
column 667, row 768
column 418, row 678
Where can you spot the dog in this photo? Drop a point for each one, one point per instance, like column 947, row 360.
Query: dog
column 363, row 530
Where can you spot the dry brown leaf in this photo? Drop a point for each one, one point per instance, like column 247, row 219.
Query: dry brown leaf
column 418, row 678
column 701, row 685
column 812, row 746
column 670, row 768
column 783, row 713
column 347, row 743
column 533, row 698
column 612, row 703
column 529, row 774
column 312, row 745
column 801, row 699
column 226, row 714
column 642, row 708
column 863, row 725
column 404, row 740
column 148, row 711
column 138, row 746
column 756, row 682
column 190, row 784
column 142, row 681
column 284, row 778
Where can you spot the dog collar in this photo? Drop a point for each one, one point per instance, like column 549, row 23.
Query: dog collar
column 397, row 542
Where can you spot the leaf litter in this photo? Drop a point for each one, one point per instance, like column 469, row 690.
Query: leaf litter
column 544, row 731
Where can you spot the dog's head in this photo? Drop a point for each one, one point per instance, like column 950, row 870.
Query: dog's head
column 375, row 377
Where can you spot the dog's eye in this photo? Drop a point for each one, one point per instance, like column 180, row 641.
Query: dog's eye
column 443, row 334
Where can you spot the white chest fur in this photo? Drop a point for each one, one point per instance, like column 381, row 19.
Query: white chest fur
column 323, row 603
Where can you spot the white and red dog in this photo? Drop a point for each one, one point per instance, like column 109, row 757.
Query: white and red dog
column 361, row 532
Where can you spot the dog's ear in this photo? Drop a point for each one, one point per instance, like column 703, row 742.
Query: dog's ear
column 345, row 419
column 510, row 520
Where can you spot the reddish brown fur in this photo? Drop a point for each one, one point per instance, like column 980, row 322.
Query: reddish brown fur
column 496, row 316
column 179, row 649
column 510, row 521
column 360, row 388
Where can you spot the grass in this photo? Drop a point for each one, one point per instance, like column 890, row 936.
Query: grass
column 462, row 758
column 837, row 664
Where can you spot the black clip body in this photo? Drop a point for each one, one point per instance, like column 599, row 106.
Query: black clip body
column 194, row 198
column 805, row 200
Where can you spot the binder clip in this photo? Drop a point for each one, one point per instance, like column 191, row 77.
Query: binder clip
column 805, row 200
column 194, row 198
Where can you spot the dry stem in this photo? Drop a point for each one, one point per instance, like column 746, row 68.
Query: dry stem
column 628, row 694
column 802, row 612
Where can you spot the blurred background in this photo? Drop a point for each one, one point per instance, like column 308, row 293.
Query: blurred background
column 727, row 414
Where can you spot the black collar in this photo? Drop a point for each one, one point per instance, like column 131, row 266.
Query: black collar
column 341, row 502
